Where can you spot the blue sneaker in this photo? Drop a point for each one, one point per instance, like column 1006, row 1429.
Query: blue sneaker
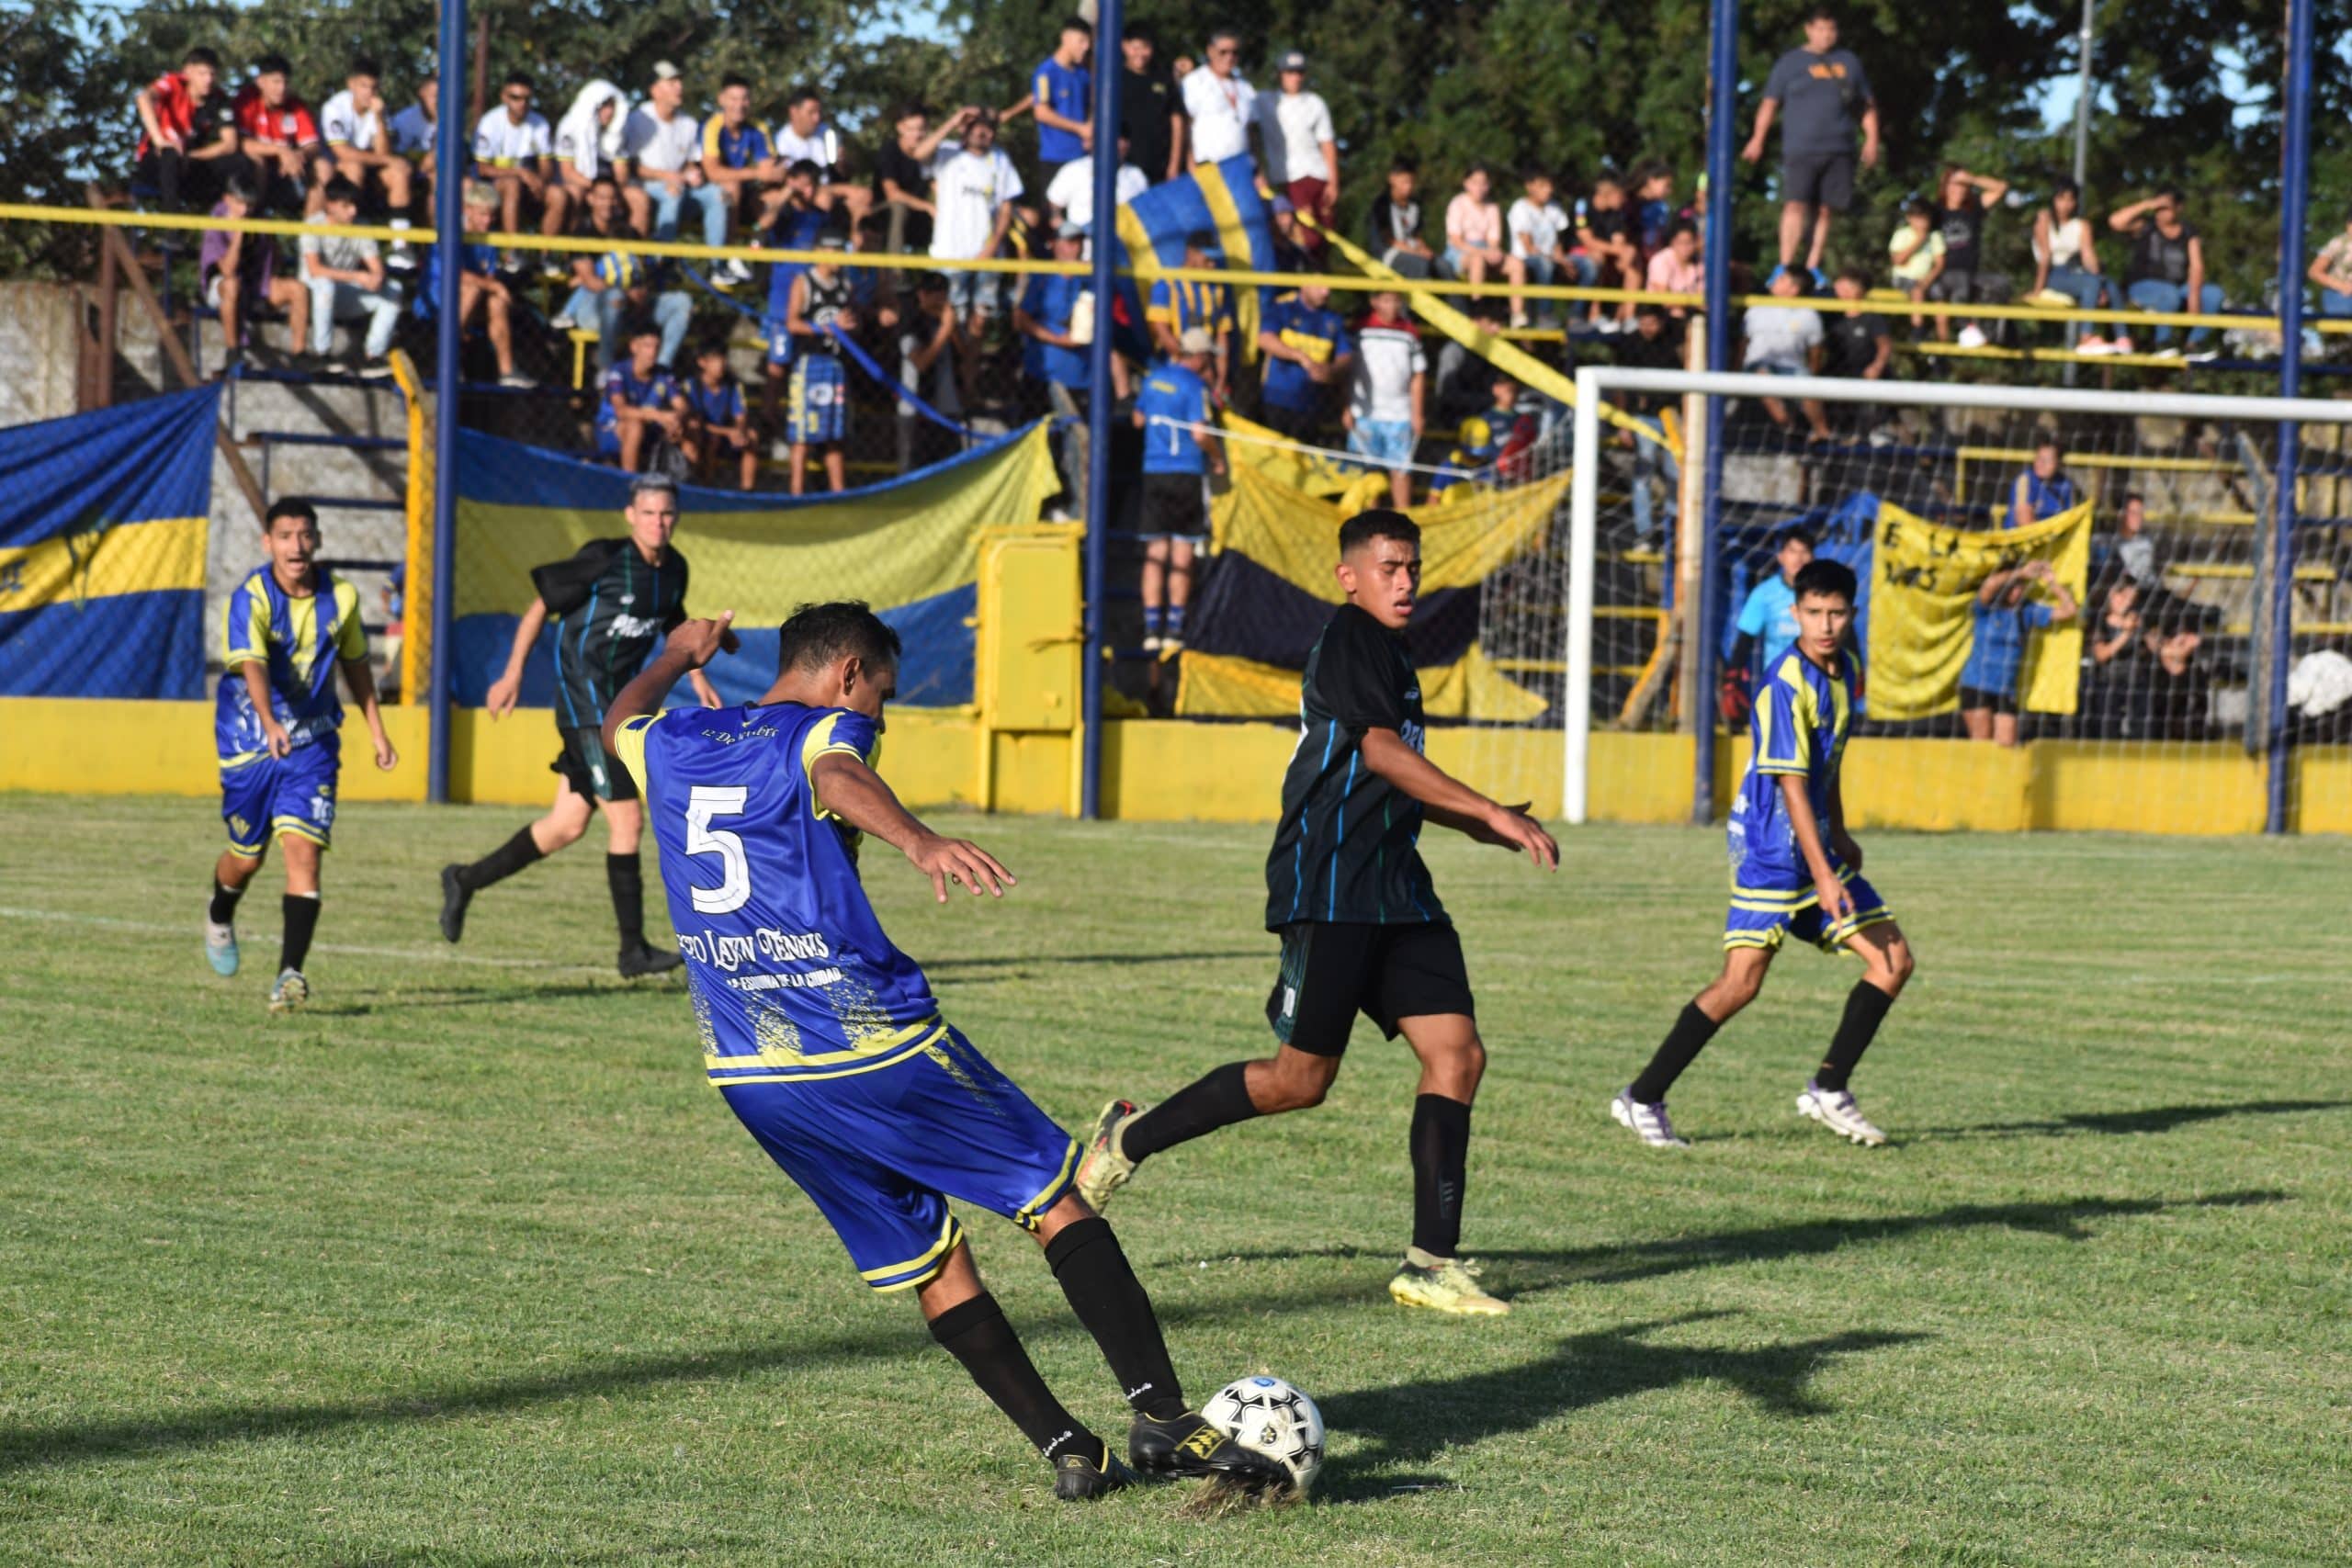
column 220, row 947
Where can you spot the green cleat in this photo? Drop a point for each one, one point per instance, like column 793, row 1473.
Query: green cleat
column 1103, row 1168
column 1447, row 1284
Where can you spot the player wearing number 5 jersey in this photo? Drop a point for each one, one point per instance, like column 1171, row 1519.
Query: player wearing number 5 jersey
column 827, row 1042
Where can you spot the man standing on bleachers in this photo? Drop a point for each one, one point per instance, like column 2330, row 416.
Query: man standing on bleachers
column 1820, row 92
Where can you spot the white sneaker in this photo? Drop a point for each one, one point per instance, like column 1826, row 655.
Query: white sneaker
column 563, row 323
column 1972, row 336
column 2093, row 344
column 1648, row 1122
column 1835, row 1109
column 2122, row 343
column 734, row 270
column 1153, row 643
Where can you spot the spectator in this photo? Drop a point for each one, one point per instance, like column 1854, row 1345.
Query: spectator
column 1474, row 238
column 352, row 123
column 641, row 288
column 1297, row 147
column 1393, row 227
column 2166, row 271
column 1915, row 253
column 2175, row 692
column 479, row 286
column 740, row 163
column 2332, row 270
column 1961, row 279
column 236, row 269
column 1675, row 268
column 1061, row 94
column 1605, row 235
column 188, row 143
column 804, row 134
column 1538, row 229
column 2109, row 661
column 1182, row 68
column 1651, row 345
column 1766, row 626
column 2043, row 491
column 589, row 145
column 1173, row 413
column 2066, row 258
column 902, row 181
column 1988, row 682
column 1785, row 340
column 415, row 131
column 1056, row 312
column 1220, row 102
column 1488, row 442
column 2135, row 550
column 1071, row 197
column 931, row 364
column 643, row 403
column 600, row 218
column 1654, row 213
column 819, row 316
column 797, row 223
column 512, row 146
column 1308, row 352
column 977, row 185
column 1821, row 92
column 346, row 279
column 661, row 148
column 1857, row 343
column 1387, row 394
column 1176, row 305
column 1151, row 109
column 279, row 141
column 718, row 423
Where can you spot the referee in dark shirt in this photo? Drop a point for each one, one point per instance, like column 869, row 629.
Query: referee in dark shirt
column 1362, row 927
column 609, row 603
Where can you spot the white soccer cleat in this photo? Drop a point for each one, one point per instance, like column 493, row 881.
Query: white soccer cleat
column 1649, row 1122
column 220, row 947
column 1835, row 1109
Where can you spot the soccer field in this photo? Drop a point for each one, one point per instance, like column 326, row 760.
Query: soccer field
column 468, row 1265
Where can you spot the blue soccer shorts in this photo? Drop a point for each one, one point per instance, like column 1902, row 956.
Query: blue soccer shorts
column 881, row 1152
column 274, row 798
column 818, row 413
column 778, row 331
column 1765, row 917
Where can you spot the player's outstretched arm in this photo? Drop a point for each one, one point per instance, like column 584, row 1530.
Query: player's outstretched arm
column 1449, row 803
column 500, row 698
column 692, row 644
column 361, row 682
column 856, row 794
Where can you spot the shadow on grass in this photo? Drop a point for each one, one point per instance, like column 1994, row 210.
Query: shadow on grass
column 1123, row 959
column 2117, row 1124
column 1408, row 1423
column 361, row 1002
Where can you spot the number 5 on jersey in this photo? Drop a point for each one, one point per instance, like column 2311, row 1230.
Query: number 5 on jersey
column 734, row 889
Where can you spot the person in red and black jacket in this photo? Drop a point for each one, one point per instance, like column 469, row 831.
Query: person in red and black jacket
column 187, row 148
column 279, row 138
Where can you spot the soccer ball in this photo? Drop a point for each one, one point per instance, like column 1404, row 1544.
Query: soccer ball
column 1270, row 1416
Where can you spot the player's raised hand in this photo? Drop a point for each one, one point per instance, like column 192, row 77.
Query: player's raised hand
column 961, row 862
column 1514, row 829
column 700, row 642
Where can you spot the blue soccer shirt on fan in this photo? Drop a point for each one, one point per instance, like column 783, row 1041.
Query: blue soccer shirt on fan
column 1049, row 301
column 1769, row 615
column 1063, row 90
column 298, row 640
column 658, row 390
column 722, row 404
column 1321, row 334
column 791, row 973
column 794, row 230
column 2047, row 497
column 1173, row 392
column 1997, row 653
column 740, row 148
column 1798, row 728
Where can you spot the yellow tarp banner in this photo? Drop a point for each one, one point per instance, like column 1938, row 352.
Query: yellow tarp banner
column 1295, row 536
column 1469, row 688
column 1293, row 466
column 1924, row 579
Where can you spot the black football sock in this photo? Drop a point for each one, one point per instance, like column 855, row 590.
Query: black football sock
column 1866, row 1007
column 628, row 898
column 1441, row 1147
column 500, row 864
column 1681, row 1046
column 975, row 1334
column 1111, row 1304
column 302, row 923
column 224, row 903
column 1218, row 1100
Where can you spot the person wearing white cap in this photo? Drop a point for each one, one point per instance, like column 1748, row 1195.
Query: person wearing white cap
column 1174, row 413
column 1220, row 101
column 662, row 147
column 1297, row 147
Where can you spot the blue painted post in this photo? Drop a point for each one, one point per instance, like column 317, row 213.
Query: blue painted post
column 1108, row 67
column 1722, row 106
column 449, row 186
column 2295, row 176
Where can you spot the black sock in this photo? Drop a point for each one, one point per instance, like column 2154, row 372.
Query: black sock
column 628, row 898
column 1682, row 1044
column 224, row 903
column 975, row 1334
column 1111, row 1304
column 1866, row 1007
column 500, row 864
column 302, row 922
column 1441, row 1147
column 1218, row 1100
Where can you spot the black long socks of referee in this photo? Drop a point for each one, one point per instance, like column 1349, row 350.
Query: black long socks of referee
column 975, row 1334
column 1681, row 1046
column 1441, row 1147
column 1218, row 1100
column 1109, row 1303
column 1866, row 1007
column 501, row 863
column 627, row 883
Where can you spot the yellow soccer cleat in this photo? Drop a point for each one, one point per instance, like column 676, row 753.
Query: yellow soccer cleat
column 1447, row 1284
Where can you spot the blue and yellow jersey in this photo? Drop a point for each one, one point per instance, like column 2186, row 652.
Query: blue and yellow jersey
column 1182, row 303
column 1475, row 449
column 1065, row 89
column 1172, row 398
column 298, row 641
column 1802, row 716
column 1320, row 334
column 739, row 147
column 792, row 975
column 719, row 405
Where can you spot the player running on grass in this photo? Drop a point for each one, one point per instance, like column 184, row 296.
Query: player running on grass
column 1360, row 924
column 291, row 625
column 827, row 1041
column 1795, row 870
column 609, row 603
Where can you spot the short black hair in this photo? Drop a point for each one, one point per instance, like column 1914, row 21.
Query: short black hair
column 201, row 56
column 817, row 635
column 803, row 168
column 1649, row 309
column 2175, row 194
column 521, row 79
column 367, row 65
column 272, row 65
column 2047, row 437
column 1379, row 524
column 341, row 189
column 734, row 79
column 2065, row 186
column 909, row 110
column 710, row 346
column 1681, row 227
column 640, row 326
column 1078, row 24
column 1795, row 532
column 289, row 506
column 1404, row 163
column 607, row 177
column 1822, row 578
column 1857, row 274
column 1820, row 14
column 800, row 95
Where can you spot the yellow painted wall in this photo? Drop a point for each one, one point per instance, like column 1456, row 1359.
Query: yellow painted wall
column 91, row 746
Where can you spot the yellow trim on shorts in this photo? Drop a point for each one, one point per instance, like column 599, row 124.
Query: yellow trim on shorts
column 950, row 1233
column 1026, row 1216
column 294, row 827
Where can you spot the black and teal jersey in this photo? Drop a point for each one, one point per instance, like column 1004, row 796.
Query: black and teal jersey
column 1346, row 851
column 608, row 608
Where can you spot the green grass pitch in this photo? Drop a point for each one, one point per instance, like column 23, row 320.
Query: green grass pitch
column 467, row 1265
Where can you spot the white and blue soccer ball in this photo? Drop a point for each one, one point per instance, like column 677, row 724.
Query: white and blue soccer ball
column 1270, row 1416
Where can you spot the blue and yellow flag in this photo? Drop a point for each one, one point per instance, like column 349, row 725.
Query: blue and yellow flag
column 102, row 534
column 910, row 547
column 1221, row 198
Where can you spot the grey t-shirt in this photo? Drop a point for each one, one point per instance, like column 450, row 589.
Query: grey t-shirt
column 342, row 253
column 1782, row 336
column 1821, row 96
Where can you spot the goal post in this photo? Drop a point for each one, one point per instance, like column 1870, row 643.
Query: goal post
column 1946, row 460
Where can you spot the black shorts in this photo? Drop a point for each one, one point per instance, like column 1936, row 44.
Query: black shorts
column 1173, row 504
column 1972, row 287
column 1330, row 973
column 1972, row 698
column 1299, row 425
column 1818, row 179
column 587, row 769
